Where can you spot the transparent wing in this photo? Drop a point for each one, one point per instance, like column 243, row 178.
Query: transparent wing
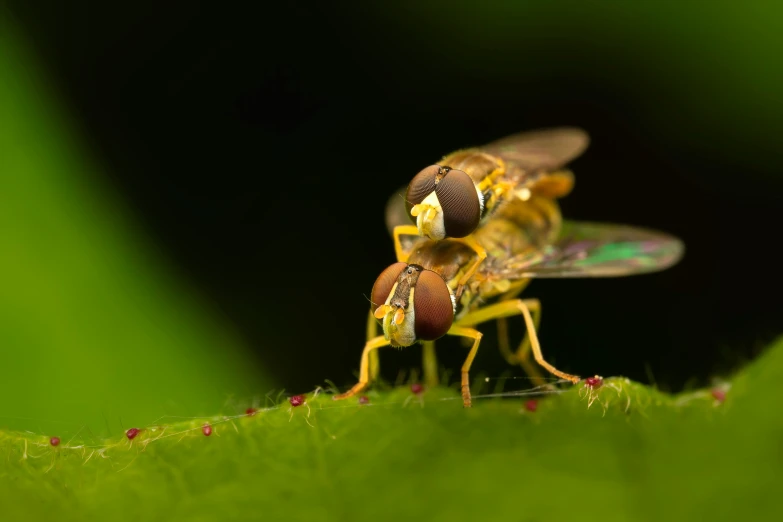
column 545, row 149
column 591, row 250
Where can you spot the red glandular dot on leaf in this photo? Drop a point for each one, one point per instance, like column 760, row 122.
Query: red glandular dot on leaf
column 594, row 382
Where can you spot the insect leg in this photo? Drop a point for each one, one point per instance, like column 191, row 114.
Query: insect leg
column 364, row 367
column 372, row 332
column 503, row 344
column 481, row 254
column 502, row 324
column 522, row 355
column 429, row 363
column 403, row 230
column 462, row 331
column 512, row 308
column 531, row 340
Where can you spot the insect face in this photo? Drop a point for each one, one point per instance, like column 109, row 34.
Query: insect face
column 413, row 304
column 445, row 202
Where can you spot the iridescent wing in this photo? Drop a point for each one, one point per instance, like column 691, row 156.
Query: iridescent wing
column 545, row 149
column 591, row 250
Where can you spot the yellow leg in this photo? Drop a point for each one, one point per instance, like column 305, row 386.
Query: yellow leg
column 372, row 332
column 429, row 363
column 481, row 255
column 364, row 367
column 502, row 324
column 403, row 230
column 503, row 344
column 512, row 308
column 522, row 355
column 523, row 352
column 462, row 331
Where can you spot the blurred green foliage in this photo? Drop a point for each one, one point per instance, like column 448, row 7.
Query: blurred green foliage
column 621, row 452
column 94, row 326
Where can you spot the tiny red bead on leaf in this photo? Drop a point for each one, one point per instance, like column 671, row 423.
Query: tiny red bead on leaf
column 207, row 429
column 594, row 382
column 364, row 400
column 718, row 394
column 417, row 388
column 250, row 411
column 531, row 405
column 54, row 441
column 297, row 400
column 131, row 433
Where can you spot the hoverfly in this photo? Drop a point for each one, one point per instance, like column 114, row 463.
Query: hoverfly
column 452, row 198
column 426, row 294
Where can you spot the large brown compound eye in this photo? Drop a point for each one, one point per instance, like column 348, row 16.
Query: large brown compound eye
column 421, row 186
column 460, row 203
column 434, row 311
column 383, row 285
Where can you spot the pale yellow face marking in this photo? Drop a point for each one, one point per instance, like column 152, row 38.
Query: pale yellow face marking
column 429, row 217
column 398, row 324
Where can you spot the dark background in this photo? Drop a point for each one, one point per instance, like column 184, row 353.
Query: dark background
column 224, row 128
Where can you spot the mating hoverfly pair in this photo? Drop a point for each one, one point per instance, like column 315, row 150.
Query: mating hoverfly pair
column 487, row 223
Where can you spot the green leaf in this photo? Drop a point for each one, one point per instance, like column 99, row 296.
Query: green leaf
column 622, row 451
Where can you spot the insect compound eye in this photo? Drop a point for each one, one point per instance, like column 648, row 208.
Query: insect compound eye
column 421, row 186
column 433, row 306
column 384, row 284
column 460, row 203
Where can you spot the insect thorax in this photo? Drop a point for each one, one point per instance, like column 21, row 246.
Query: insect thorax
column 519, row 225
column 446, row 257
column 478, row 165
